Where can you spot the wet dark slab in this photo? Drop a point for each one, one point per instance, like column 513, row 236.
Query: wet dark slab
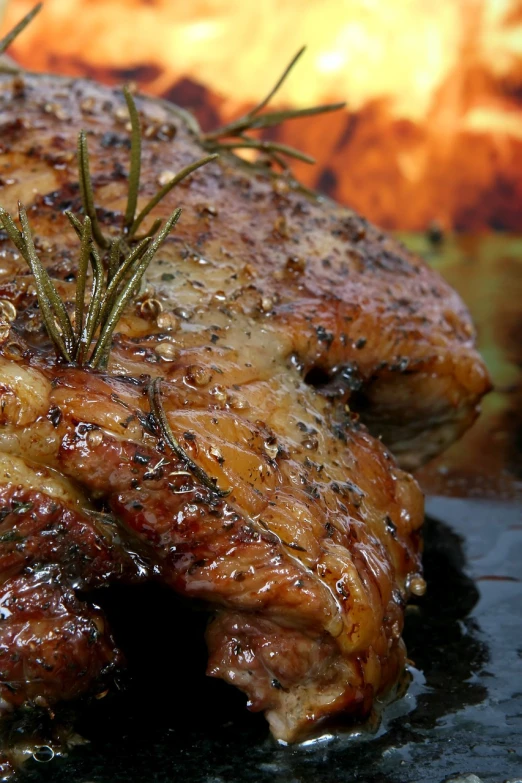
column 462, row 712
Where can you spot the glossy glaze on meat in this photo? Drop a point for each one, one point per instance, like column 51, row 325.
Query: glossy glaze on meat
column 273, row 318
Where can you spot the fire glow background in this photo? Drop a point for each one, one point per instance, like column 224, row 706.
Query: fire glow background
column 432, row 133
column 433, row 127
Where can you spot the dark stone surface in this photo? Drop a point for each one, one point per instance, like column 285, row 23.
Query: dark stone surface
column 462, row 713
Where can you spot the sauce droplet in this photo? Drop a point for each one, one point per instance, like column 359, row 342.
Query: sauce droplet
column 167, row 351
column 94, row 438
column 417, row 585
column 271, row 448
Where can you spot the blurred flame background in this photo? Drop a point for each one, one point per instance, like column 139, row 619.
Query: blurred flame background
column 431, row 136
column 433, row 126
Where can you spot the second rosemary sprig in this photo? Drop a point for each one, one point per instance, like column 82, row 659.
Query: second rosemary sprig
column 160, row 417
column 233, row 136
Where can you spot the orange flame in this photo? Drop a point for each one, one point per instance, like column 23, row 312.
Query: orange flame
column 433, row 130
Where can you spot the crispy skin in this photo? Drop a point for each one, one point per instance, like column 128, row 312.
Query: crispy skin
column 309, row 559
column 277, row 309
column 53, row 647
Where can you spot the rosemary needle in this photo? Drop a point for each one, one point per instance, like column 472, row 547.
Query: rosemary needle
column 110, row 294
column 81, row 277
column 232, row 136
column 261, row 105
column 267, row 146
column 167, row 188
column 158, row 412
column 135, row 165
column 87, row 190
column 17, row 29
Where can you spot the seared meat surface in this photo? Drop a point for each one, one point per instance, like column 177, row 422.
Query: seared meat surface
column 357, row 311
column 278, row 323
column 309, row 557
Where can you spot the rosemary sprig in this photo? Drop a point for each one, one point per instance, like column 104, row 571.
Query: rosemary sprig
column 160, row 417
column 8, row 39
column 233, row 135
column 117, row 301
column 131, row 221
column 108, row 299
column 116, row 274
column 126, row 260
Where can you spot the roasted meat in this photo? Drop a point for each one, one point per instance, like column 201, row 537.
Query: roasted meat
column 283, row 338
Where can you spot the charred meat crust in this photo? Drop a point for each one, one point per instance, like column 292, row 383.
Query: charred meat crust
column 275, row 319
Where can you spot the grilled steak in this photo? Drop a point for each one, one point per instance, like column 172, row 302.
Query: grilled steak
column 293, row 348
